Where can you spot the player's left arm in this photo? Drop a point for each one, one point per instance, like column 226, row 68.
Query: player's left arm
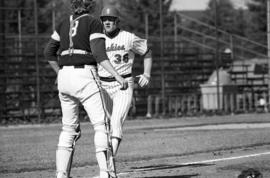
column 144, row 79
column 140, row 47
column 147, row 63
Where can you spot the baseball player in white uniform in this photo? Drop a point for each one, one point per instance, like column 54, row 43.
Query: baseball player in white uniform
column 80, row 41
column 121, row 47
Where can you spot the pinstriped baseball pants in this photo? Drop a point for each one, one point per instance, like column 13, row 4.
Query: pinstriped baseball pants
column 118, row 103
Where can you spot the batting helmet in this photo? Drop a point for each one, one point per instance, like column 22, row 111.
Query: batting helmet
column 109, row 11
column 81, row 6
column 250, row 173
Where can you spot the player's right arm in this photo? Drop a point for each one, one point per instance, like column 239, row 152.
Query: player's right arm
column 50, row 51
column 99, row 52
column 50, row 54
column 97, row 44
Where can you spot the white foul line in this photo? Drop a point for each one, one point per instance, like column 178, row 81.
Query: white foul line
column 209, row 161
column 226, row 159
column 235, row 126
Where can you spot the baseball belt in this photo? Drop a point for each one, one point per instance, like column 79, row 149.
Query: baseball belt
column 112, row 79
column 74, row 51
column 75, row 66
column 78, row 66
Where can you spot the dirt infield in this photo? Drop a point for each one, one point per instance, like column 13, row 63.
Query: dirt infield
column 208, row 147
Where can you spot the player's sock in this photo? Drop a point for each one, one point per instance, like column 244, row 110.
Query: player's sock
column 111, row 167
column 102, row 162
column 115, row 145
column 63, row 161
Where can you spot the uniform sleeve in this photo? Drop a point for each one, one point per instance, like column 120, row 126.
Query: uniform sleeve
column 96, row 30
column 98, row 49
column 139, row 45
column 55, row 36
column 50, row 51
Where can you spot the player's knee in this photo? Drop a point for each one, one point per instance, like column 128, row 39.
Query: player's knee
column 100, row 138
column 68, row 135
column 117, row 132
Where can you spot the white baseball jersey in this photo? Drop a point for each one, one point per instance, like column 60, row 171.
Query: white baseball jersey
column 121, row 52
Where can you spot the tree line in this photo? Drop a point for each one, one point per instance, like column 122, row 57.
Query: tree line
column 250, row 23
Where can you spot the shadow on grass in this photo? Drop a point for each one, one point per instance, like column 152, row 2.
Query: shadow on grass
column 166, row 166
column 180, row 176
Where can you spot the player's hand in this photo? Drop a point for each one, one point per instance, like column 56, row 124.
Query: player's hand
column 122, row 82
column 144, row 80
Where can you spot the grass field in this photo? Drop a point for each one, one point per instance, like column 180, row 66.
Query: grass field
column 217, row 146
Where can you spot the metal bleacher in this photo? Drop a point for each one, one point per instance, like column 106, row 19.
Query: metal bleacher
column 27, row 84
column 189, row 70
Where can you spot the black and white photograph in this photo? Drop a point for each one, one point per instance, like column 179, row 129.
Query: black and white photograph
column 134, row 88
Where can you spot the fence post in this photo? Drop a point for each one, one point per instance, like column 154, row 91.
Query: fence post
column 175, row 36
column 149, row 106
column 170, row 105
column 176, row 103
column 53, row 15
column 183, row 104
column 196, row 105
column 232, row 102
column 162, row 73
column 37, row 62
column 3, row 68
column 256, row 103
column 244, row 102
column 225, row 101
column 201, row 103
column 157, row 100
column 250, row 103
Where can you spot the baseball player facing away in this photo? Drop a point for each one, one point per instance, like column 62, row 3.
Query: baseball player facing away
column 80, row 41
column 121, row 47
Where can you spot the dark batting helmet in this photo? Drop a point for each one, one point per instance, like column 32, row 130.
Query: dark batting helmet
column 109, row 11
column 81, row 6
